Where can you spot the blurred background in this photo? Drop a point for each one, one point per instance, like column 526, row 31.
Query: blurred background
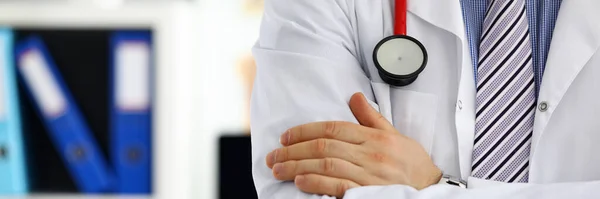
column 162, row 87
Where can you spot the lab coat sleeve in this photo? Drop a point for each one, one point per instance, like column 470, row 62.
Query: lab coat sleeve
column 307, row 70
column 482, row 189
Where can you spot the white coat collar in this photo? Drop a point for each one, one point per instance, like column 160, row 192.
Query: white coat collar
column 576, row 38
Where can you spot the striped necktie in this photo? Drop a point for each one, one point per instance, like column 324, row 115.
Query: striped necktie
column 505, row 95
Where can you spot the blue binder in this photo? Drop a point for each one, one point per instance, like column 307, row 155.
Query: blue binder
column 131, row 59
column 13, row 176
column 57, row 108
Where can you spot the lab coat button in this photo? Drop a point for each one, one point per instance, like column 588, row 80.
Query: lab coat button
column 459, row 105
column 543, row 106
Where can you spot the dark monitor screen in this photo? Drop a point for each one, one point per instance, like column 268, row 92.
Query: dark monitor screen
column 235, row 168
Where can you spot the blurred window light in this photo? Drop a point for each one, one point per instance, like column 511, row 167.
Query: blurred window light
column 108, row 3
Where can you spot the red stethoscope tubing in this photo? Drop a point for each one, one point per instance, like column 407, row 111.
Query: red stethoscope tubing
column 400, row 19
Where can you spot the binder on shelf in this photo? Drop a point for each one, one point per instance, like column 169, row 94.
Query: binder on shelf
column 131, row 116
column 13, row 170
column 57, row 108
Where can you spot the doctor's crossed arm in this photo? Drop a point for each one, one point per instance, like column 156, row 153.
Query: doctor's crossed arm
column 307, row 72
column 332, row 157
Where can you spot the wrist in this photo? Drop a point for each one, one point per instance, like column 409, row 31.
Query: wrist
column 433, row 177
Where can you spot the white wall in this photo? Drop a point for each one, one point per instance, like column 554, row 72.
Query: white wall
column 227, row 34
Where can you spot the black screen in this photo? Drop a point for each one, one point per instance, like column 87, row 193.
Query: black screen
column 235, row 168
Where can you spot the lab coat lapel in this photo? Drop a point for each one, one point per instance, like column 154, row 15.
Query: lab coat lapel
column 576, row 38
column 447, row 14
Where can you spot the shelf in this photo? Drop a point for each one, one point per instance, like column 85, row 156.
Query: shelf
column 74, row 196
column 179, row 60
column 88, row 15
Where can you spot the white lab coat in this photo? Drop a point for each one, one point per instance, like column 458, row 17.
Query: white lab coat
column 312, row 55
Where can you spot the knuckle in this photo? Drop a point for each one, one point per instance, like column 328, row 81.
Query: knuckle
column 320, row 147
column 332, row 129
column 310, row 182
column 297, row 133
column 283, row 154
column 328, row 165
column 384, row 172
column 288, row 168
column 291, row 166
column 382, row 137
column 379, row 157
column 342, row 187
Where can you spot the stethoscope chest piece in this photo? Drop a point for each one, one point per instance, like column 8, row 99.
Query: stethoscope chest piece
column 399, row 59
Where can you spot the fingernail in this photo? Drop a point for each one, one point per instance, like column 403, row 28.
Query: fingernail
column 284, row 138
column 269, row 158
column 275, row 156
column 299, row 179
column 278, row 168
column 362, row 96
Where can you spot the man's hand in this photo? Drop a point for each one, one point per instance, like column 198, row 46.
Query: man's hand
column 331, row 157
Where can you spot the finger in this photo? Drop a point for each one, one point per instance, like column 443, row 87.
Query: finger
column 316, row 149
column 332, row 167
column 324, row 185
column 367, row 115
column 343, row 131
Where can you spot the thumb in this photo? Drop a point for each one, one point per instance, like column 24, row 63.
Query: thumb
column 367, row 115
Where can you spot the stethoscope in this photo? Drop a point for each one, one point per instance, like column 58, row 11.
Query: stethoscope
column 399, row 58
